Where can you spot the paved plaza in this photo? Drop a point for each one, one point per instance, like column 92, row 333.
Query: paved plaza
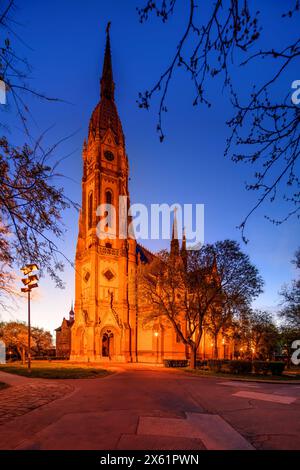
column 148, row 408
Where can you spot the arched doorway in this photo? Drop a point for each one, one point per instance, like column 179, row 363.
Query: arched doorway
column 108, row 344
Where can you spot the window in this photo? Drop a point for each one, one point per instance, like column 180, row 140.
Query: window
column 109, row 156
column 90, row 210
column 108, row 197
column 109, row 200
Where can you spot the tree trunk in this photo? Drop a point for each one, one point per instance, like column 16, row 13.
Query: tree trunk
column 23, row 355
column 193, row 357
column 216, row 353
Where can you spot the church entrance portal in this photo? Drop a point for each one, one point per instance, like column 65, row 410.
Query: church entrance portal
column 108, row 344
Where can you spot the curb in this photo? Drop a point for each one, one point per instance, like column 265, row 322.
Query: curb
column 236, row 379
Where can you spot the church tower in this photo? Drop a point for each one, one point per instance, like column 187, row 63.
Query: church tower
column 105, row 300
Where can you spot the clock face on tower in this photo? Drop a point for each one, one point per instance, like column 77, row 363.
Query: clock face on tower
column 109, row 156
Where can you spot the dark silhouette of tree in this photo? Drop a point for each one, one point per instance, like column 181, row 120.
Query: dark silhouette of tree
column 264, row 131
column 30, row 209
column 291, row 299
column 288, row 334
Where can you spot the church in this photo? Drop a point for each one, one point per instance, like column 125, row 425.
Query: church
column 107, row 323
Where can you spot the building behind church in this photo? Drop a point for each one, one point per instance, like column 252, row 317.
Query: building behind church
column 63, row 336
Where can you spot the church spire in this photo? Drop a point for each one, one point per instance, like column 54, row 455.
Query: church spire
column 183, row 251
column 175, row 241
column 107, row 82
column 71, row 313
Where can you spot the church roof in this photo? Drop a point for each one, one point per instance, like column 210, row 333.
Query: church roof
column 145, row 255
column 68, row 323
column 105, row 114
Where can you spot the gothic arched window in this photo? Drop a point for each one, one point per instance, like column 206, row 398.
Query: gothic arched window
column 90, row 210
column 108, row 197
column 109, row 200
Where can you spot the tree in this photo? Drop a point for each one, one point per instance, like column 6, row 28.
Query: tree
column 31, row 203
column 42, row 340
column 264, row 130
column 30, row 209
column 263, row 334
column 256, row 335
column 291, row 299
column 210, row 287
column 220, row 321
column 15, row 335
column 287, row 336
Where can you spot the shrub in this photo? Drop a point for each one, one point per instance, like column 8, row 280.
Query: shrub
column 175, row 362
column 240, row 367
column 261, row 367
column 217, row 365
column 201, row 364
column 276, row 367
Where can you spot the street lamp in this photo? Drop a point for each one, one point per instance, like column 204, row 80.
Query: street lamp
column 30, row 283
column 156, row 334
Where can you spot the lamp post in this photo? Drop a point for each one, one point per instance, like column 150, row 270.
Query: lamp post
column 30, row 282
column 156, row 334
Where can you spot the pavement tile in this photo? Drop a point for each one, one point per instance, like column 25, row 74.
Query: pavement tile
column 285, row 400
column 212, row 430
column 140, row 442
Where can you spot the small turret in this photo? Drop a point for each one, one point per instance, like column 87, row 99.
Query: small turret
column 72, row 313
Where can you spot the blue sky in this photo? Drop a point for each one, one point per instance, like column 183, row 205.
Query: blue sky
column 65, row 42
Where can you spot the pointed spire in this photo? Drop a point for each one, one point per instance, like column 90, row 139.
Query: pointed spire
column 107, row 82
column 71, row 313
column 183, row 251
column 175, row 241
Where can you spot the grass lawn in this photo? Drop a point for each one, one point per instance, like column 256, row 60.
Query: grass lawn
column 55, row 370
column 253, row 377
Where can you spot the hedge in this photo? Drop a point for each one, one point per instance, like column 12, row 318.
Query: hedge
column 264, row 367
column 240, row 367
column 261, row 367
column 217, row 365
column 175, row 362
